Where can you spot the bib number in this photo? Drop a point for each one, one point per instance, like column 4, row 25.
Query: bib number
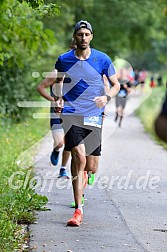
column 122, row 93
column 95, row 121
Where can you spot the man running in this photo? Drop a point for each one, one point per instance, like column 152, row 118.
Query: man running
column 57, row 131
column 122, row 96
column 58, row 137
column 83, row 101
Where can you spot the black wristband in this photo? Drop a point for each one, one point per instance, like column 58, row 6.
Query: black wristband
column 57, row 97
column 108, row 97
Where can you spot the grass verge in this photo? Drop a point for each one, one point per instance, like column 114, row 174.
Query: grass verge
column 17, row 205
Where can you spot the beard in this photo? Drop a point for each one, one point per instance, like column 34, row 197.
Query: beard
column 82, row 47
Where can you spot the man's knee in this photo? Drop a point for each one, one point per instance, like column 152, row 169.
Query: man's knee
column 78, row 154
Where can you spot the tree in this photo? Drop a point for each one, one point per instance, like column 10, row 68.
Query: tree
column 23, row 40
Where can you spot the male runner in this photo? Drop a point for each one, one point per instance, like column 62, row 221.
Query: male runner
column 82, row 101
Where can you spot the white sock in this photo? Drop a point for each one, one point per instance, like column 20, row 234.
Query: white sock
column 63, row 167
column 89, row 174
column 80, row 207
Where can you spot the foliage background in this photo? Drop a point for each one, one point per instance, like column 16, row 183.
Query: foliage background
column 34, row 33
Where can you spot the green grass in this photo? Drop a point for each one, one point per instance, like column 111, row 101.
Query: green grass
column 148, row 111
column 17, row 205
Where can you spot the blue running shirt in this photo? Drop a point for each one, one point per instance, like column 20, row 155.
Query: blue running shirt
column 83, row 81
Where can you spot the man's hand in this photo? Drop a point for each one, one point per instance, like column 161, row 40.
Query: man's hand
column 58, row 105
column 100, row 101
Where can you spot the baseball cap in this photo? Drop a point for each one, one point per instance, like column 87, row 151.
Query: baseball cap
column 83, row 24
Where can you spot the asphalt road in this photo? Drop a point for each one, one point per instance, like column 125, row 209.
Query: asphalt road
column 125, row 210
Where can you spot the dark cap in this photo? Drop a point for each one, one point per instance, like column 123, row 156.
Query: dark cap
column 83, row 24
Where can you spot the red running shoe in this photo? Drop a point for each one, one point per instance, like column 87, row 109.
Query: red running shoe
column 76, row 220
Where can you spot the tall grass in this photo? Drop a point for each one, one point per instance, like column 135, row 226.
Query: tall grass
column 17, row 205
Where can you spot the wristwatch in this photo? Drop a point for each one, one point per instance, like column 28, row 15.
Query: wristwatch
column 57, row 97
column 108, row 97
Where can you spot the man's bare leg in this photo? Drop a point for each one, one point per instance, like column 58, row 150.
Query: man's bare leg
column 58, row 136
column 92, row 163
column 65, row 157
column 78, row 164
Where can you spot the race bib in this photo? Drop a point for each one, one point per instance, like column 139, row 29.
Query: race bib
column 122, row 93
column 95, row 121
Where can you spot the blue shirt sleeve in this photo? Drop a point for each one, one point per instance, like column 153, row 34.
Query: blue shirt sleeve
column 58, row 64
column 109, row 69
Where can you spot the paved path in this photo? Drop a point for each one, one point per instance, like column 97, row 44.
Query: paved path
column 125, row 211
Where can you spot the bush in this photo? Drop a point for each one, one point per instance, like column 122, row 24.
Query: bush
column 23, row 39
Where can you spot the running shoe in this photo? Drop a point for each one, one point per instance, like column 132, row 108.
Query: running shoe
column 63, row 173
column 76, row 220
column 73, row 203
column 54, row 158
column 91, row 178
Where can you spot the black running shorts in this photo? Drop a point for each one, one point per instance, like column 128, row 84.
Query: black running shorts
column 77, row 133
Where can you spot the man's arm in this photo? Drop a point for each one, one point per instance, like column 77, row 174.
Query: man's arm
column 49, row 81
column 115, row 86
column 101, row 101
column 106, row 84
